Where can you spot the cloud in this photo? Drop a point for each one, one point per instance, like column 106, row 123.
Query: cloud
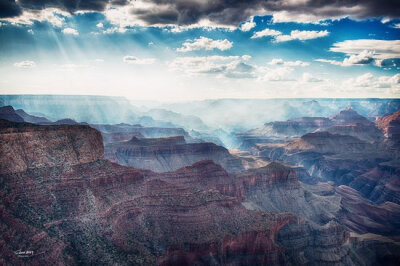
column 99, row 25
column 68, row 5
column 206, row 44
column 332, row 62
column 382, row 49
column 247, row 25
column 301, row 35
column 114, row 30
column 232, row 67
column 133, row 60
column 368, row 80
column 280, row 61
column 266, row 32
column 221, row 66
column 9, row 8
column 220, row 12
column 70, row 31
column 217, row 12
column 54, row 16
column 276, row 74
column 25, row 64
column 365, row 51
column 364, row 58
column 294, row 35
column 307, row 77
column 285, row 16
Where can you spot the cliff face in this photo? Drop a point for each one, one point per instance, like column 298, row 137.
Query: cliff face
column 27, row 146
column 8, row 113
column 390, row 125
column 169, row 154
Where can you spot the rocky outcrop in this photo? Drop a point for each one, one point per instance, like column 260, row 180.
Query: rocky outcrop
column 380, row 184
column 347, row 122
column 118, row 137
column 26, row 146
column 8, row 113
column 369, row 133
column 295, row 127
column 390, row 125
column 362, row 216
column 349, row 116
column 169, row 154
column 31, row 118
column 325, row 142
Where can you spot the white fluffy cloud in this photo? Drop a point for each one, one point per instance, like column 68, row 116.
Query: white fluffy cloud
column 294, row 35
column 364, row 51
column 364, row 58
column 247, row 25
column 133, row 60
column 368, row 80
column 206, row 44
column 226, row 66
column 301, row 35
column 382, row 49
column 236, row 67
column 70, row 31
column 332, row 62
column 54, row 16
column 114, row 30
column 266, row 32
column 280, row 61
column 25, row 64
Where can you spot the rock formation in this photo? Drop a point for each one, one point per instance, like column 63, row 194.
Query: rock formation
column 25, row 146
column 8, row 113
column 63, row 204
column 169, row 154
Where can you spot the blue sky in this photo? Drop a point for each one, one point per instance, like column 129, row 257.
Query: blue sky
column 114, row 51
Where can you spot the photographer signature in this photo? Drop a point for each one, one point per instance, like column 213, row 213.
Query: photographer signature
column 24, row 254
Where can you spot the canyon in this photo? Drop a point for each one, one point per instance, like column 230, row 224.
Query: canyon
column 124, row 194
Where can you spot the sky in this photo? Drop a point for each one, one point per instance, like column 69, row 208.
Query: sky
column 183, row 50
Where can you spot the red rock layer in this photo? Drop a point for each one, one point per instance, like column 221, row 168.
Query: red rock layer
column 26, row 146
column 390, row 125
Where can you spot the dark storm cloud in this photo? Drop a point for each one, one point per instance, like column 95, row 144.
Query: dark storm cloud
column 68, row 5
column 228, row 12
column 8, row 8
column 232, row 12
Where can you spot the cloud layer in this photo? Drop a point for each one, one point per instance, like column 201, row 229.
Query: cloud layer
column 188, row 12
column 206, row 44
